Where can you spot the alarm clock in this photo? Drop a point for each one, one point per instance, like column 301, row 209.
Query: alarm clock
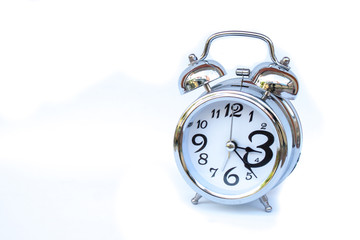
column 242, row 137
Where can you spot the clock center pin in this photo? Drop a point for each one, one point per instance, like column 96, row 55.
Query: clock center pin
column 230, row 146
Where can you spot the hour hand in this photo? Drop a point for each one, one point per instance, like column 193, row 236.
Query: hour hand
column 248, row 149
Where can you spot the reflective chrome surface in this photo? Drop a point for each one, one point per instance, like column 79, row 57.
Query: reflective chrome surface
column 277, row 81
column 200, row 73
column 243, row 34
column 265, row 201
column 285, row 119
column 269, row 86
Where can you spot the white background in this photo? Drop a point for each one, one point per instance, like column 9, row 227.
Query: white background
column 89, row 104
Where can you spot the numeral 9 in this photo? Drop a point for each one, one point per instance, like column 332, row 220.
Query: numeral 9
column 196, row 142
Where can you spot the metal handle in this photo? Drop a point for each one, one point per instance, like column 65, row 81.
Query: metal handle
column 242, row 34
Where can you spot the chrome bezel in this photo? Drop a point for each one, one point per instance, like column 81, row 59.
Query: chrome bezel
column 281, row 163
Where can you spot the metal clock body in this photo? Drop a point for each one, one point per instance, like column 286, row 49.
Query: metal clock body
column 242, row 137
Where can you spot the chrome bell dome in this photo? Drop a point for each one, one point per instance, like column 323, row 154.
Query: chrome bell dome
column 199, row 73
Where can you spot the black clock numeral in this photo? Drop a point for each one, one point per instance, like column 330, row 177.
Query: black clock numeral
column 202, row 124
column 203, row 159
column 248, row 176
column 202, row 143
column 263, row 126
column 215, row 113
column 229, row 109
column 233, row 177
column 213, row 170
column 265, row 147
column 235, row 109
column 251, row 114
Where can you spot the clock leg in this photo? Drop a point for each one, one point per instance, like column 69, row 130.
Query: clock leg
column 195, row 199
column 265, row 201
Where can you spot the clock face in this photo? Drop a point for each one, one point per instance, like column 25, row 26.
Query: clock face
column 229, row 147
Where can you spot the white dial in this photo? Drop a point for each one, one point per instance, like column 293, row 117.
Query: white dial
column 230, row 147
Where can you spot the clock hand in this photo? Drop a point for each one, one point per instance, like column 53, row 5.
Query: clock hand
column 231, row 125
column 246, row 163
column 227, row 159
column 230, row 145
column 248, row 149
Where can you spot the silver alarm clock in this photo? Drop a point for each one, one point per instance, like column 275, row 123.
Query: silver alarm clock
column 242, row 137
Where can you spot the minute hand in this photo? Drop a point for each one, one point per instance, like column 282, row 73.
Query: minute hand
column 246, row 163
